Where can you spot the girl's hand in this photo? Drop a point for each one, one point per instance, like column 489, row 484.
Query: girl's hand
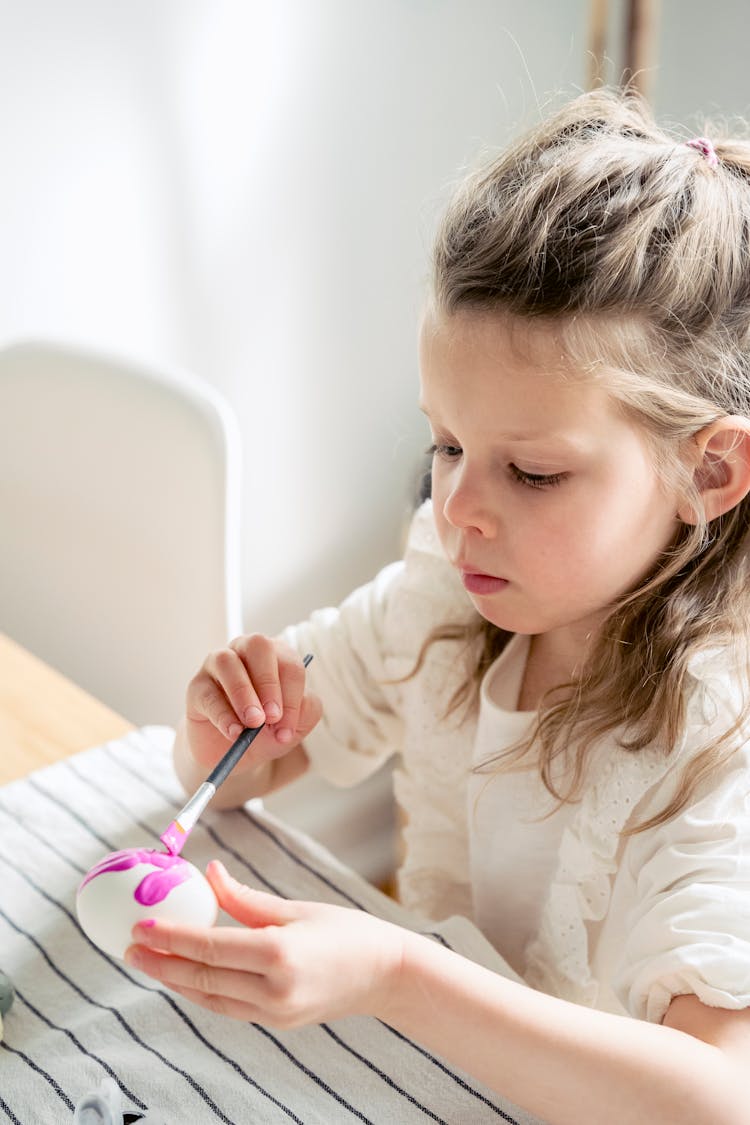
column 295, row 963
column 255, row 679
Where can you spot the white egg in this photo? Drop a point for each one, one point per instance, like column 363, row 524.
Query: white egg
column 138, row 883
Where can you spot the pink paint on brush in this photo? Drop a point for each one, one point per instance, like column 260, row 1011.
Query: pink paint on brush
column 154, row 887
column 174, row 838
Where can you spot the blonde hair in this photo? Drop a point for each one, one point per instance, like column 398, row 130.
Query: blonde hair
column 637, row 250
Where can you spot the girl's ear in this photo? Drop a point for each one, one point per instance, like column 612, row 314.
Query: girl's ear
column 722, row 467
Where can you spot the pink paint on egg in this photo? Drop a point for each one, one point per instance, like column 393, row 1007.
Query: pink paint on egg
column 171, row 870
column 128, row 886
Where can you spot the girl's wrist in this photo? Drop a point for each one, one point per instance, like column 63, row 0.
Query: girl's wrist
column 394, row 996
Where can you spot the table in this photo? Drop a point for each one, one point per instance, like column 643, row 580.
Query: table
column 81, row 1018
column 43, row 716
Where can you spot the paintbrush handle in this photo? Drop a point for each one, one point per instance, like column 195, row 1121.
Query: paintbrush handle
column 223, row 768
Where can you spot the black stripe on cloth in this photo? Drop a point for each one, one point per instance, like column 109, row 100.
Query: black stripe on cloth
column 146, row 988
column 39, row 1070
column 381, row 1074
column 9, row 1112
column 113, row 1011
column 298, row 859
column 461, row 1082
column 34, row 784
column 311, row 1074
column 266, row 831
column 41, row 839
column 457, row 1077
column 77, row 1043
column 119, row 1017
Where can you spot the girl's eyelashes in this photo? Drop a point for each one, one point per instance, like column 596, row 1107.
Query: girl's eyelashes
column 530, row 480
column 443, row 449
column 536, row 480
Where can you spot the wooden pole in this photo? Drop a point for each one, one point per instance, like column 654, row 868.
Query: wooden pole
column 640, row 45
column 598, row 13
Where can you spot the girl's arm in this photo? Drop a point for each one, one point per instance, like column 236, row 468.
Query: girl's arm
column 296, row 963
column 568, row 1064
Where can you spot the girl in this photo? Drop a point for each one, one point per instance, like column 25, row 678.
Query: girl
column 560, row 659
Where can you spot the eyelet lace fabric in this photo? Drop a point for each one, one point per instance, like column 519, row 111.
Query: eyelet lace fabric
column 557, row 960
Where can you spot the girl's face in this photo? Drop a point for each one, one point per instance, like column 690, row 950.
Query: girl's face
column 546, row 499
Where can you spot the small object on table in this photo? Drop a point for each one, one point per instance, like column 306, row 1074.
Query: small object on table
column 103, row 1106
column 7, row 994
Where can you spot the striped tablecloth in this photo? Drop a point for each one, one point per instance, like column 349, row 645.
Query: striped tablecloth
column 80, row 1017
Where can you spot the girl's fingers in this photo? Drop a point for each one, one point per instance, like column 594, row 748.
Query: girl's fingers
column 198, row 976
column 223, row 1005
column 208, row 699
column 310, row 712
column 258, row 654
column 255, row 909
column 292, row 678
column 255, row 680
column 164, row 950
column 226, row 946
column 278, row 678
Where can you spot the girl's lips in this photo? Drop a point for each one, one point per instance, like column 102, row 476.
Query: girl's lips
column 482, row 583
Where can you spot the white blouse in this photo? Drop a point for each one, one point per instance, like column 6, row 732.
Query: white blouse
column 620, row 924
column 515, row 825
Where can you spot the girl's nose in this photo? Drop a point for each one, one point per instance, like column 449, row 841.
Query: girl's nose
column 467, row 505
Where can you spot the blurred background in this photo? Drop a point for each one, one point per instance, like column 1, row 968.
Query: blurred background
column 247, row 189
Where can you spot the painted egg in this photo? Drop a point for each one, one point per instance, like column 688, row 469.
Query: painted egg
column 127, row 886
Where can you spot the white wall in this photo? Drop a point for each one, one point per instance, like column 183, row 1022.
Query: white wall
column 247, row 190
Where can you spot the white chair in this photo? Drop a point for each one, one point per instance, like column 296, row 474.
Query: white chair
column 120, row 522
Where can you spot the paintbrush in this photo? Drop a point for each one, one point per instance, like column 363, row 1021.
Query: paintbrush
column 178, row 831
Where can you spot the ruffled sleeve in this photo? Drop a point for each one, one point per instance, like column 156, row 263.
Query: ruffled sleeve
column 360, row 726
column 689, row 931
column 631, row 921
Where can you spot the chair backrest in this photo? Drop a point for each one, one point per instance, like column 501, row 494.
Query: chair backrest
column 119, row 522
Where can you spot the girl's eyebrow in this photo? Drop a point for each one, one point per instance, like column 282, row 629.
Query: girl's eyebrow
column 562, row 441
column 532, row 436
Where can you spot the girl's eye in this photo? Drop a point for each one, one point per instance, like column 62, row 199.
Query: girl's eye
column 447, row 452
column 536, row 480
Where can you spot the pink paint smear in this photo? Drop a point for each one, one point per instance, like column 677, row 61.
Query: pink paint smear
column 154, row 887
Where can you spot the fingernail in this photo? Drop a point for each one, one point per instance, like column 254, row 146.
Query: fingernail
column 273, row 712
column 254, row 716
column 284, row 735
column 234, row 730
column 132, row 958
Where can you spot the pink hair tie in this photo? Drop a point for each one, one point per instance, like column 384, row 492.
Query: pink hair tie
column 706, row 149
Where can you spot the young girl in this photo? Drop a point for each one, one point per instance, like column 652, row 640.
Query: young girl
column 560, row 659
